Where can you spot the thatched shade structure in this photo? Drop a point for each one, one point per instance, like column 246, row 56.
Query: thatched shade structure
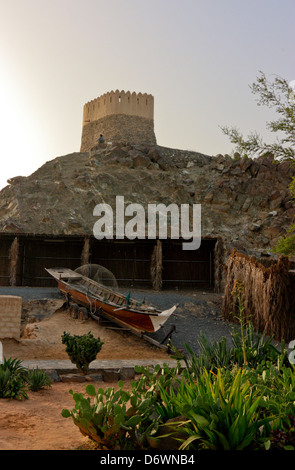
column 268, row 295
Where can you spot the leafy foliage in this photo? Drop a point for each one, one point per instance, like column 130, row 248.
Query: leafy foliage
column 277, row 95
column 13, row 380
column 232, row 409
column 37, row 379
column 216, row 355
column 82, row 349
column 220, row 411
column 120, row 419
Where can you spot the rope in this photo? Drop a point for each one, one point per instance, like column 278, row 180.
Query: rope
column 90, row 304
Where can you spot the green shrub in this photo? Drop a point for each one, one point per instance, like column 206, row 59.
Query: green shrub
column 258, row 347
column 82, row 349
column 14, row 366
column 15, row 380
column 12, row 380
column 37, row 379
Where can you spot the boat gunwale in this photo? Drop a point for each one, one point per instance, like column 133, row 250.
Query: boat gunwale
column 73, row 286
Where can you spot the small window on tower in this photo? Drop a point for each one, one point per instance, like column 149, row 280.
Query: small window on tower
column 119, row 99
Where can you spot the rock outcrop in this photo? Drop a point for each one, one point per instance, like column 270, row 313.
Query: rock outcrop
column 245, row 202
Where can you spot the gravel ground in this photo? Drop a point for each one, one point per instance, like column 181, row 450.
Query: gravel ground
column 197, row 313
column 32, row 293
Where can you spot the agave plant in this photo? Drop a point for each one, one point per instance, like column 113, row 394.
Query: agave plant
column 12, row 380
column 37, row 379
column 14, row 366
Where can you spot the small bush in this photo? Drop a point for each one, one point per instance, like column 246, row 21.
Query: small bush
column 37, row 379
column 82, row 349
column 12, row 380
column 284, row 439
column 14, row 366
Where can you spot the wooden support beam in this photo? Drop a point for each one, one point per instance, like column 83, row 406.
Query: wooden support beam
column 157, row 266
column 14, row 261
column 85, row 251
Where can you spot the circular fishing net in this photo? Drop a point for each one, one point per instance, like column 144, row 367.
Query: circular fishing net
column 99, row 274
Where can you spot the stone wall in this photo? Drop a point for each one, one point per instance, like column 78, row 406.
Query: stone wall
column 118, row 128
column 10, row 316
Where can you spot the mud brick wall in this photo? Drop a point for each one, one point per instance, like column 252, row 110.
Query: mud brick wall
column 10, row 316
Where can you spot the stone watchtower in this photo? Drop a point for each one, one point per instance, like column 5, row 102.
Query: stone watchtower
column 119, row 116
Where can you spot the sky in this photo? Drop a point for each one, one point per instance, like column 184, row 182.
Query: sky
column 197, row 58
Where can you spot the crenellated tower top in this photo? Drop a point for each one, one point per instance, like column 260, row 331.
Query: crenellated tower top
column 119, row 102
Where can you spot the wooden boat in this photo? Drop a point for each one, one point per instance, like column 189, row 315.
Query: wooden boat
column 103, row 301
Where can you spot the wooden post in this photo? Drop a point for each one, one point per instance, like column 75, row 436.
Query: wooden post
column 14, row 259
column 157, row 266
column 85, row 251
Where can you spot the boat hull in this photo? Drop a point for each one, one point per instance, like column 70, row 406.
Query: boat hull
column 140, row 321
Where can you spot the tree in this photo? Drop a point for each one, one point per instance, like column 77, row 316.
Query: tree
column 280, row 96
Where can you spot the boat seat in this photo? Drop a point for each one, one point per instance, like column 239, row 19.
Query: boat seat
column 70, row 277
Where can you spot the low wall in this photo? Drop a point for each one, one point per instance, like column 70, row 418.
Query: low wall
column 10, row 316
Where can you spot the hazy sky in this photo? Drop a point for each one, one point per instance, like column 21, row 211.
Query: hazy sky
column 197, row 58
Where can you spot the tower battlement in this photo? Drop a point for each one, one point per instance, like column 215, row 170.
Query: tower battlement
column 119, row 102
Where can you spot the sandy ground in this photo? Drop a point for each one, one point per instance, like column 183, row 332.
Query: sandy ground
column 42, row 340
column 37, row 424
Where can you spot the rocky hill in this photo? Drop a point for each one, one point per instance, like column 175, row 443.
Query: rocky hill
column 244, row 201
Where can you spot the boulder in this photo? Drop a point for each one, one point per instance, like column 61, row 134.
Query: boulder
column 164, row 164
column 154, row 155
column 140, row 160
